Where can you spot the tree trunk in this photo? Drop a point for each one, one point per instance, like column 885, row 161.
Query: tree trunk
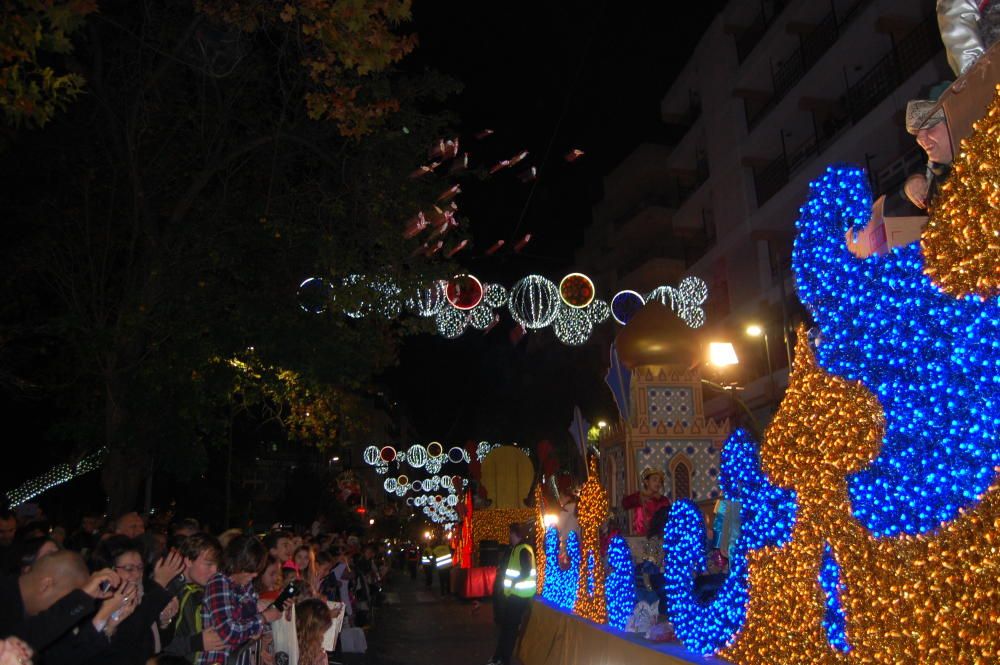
column 124, row 467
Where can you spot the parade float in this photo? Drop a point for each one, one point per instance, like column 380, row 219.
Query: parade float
column 868, row 509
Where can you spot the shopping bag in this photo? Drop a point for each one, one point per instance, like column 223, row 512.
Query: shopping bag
column 331, row 634
column 352, row 640
column 286, row 641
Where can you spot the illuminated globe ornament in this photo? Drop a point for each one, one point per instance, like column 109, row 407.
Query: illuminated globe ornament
column 428, row 300
column 390, row 484
column 576, row 290
column 534, row 302
column 625, row 304
column 314, row 295
column 573, row 326
column 464, row 292
column 451, row 322
column 495, row 295
column 482, row 317
column 387, row 454
column 417, row 456
column 371, row 455
column 456, row 455
column 598, row 312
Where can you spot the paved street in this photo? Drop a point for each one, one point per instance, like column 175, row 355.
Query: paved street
column 416, row 626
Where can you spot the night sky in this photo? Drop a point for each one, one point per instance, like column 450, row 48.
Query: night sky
column 547, row 78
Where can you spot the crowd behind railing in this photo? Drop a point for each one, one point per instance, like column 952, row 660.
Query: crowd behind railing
column 127, row 592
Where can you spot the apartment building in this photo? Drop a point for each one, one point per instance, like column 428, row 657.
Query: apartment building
column 773, row 93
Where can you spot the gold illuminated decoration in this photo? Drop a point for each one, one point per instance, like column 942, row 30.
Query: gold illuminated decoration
column 961, row 243
column 913, row 599
column 592, row 512
column 539, row 537
column 494, row 524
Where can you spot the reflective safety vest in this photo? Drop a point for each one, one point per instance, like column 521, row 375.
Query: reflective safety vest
column 517, row 582
column 426, row 558
column 442, row 557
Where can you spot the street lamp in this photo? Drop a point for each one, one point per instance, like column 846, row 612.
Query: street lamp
column 602, row 423
column 722, row 354
column 754, row 330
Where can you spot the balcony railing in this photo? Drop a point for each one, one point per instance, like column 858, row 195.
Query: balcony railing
column 811, row 48
column 860, row 99
column 747, row 40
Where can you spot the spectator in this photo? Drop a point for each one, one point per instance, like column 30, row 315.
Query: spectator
column 8, row 529
column 186, row 527
column 279, row 545
column 31, row 550
column 201, row 554
column 137, row 637
column 305, row 565
column 85, row 538
column 44, row 604
column 268, row 584
column 228, row 536
column 130, row 525
column 15, row 652
column 231, row 602
column 338, row 582
column 312, row 620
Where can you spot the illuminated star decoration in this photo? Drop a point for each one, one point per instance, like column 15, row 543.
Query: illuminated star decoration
column 932, row 361
column 767, row 513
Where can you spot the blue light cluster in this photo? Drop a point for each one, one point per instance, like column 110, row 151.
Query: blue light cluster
column 932, row 360
column 767, row 513
column 560, row 585
column 834, row 621
column 619, row 589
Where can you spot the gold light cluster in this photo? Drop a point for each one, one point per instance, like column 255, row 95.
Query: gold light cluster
column 494, row 524
column 922, row 599
column 961, row 243
column 593, row 511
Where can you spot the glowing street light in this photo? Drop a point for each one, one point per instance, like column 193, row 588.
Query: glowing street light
column 754, row 330
column 602, row 423
column 722, row 354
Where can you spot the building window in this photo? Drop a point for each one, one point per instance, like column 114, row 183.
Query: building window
column 681, row 474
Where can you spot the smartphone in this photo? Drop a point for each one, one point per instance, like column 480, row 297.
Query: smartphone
column 293, row 589
column 105, row 586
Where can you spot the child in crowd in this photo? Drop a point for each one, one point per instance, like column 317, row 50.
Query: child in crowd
column 312, row 620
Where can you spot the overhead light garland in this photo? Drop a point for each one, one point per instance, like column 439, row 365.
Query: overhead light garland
column 534, row 302
column 59, row 474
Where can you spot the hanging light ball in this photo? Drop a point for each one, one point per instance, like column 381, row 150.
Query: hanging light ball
column 387, row 454
column 481, row 317
column 417, row 456
column 598, row 312
column 576, row 290
column 534, row 302
column 314, row 295
column 464, row 291
column 456, row 454
column 451, row 322
column 495, row 296
column 390, row 484
column 625, row 304
column 371, row 455
column 573, row 326
column 434, row 449
column 427, row 301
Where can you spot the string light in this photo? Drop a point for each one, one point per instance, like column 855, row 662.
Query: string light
column 494, row 523
column 450, row 322
column 428, row 300
column 561, row 585
column 931, row 359
column 620, row 587
column 625, row 304
column 576, row 290
column 572, row 326
column 834, row 622
column 540, row 532
column 767, row 513
column 686, row 300
column 960, row 239
column 534, row 302
column 314, row 295
column 57, row 475
column 593, row 511
column 495, row 296
column 599, row 311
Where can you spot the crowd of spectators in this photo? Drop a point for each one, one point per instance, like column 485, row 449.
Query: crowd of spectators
column 135, row 591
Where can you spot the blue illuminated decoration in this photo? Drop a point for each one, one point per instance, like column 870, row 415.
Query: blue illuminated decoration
column 834, row 621
column 767, row 513
column 619, row 588
column 932, row 360
column 561, row 585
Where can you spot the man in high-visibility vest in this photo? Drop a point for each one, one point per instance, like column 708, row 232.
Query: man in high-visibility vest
column 442, row 562
column 519, row 578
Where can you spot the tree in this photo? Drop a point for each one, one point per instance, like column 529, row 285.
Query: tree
column 220, row 153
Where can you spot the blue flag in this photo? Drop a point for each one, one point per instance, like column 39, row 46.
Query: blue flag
column 619, row 379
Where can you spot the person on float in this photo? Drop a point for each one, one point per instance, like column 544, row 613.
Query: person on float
column 520, row 578
column 926, row 121
column 567, row 514
column 646, row 501
column 968, row 28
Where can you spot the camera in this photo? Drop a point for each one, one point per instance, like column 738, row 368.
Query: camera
column 104, row 586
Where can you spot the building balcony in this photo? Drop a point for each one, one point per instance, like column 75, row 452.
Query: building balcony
column 891, row 71
column 750, row 36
